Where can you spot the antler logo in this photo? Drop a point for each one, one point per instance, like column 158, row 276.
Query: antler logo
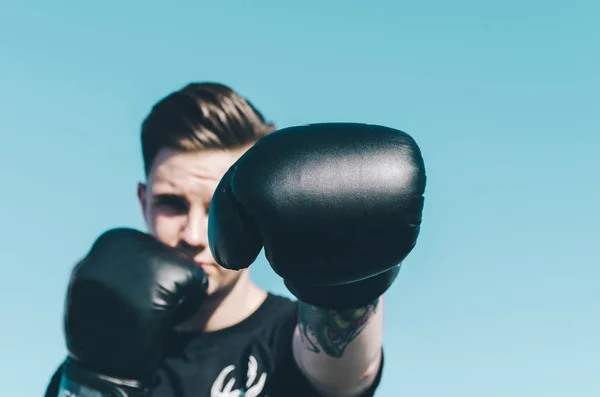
column 254, row 383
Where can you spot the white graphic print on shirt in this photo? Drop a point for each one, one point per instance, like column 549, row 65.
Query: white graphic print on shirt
column 254, row 383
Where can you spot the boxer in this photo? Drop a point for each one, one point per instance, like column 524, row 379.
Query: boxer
column 173, row 312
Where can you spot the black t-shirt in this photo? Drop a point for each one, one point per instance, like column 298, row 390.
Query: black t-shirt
column 251, row 359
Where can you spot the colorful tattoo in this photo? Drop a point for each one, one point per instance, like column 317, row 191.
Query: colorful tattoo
column 331, row 331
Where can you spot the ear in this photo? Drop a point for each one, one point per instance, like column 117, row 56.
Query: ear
column 141, row 193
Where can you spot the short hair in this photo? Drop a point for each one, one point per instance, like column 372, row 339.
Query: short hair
column 201, row 116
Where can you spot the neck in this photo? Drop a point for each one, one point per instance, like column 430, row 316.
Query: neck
column 225, row 309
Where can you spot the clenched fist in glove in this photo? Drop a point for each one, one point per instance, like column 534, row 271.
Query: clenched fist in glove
column 123, row 297
column 336, row 206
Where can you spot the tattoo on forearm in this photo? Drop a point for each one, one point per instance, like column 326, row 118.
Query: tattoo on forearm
column 331, row 331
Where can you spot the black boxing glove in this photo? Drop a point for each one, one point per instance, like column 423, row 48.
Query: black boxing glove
column 336, row 206
column 123, row 298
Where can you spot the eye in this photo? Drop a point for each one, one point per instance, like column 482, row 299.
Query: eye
column 171, row 204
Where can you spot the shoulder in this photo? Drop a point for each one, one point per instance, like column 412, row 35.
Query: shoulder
column 277, row 304
column 276, row 311
column 271, row 323
column 277, row 317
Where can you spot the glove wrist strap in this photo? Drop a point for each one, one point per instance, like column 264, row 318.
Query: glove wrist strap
column 80, row 382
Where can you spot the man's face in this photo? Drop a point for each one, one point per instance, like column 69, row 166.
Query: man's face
column 176, row 200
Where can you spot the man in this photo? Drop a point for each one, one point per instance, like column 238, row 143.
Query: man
column 336, row 207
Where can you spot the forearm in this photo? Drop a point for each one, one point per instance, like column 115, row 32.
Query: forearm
column 340, row 351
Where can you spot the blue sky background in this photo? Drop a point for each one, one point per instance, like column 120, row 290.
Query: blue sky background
column 501, row 297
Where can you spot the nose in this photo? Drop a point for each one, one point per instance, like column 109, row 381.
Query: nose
column 195, row 229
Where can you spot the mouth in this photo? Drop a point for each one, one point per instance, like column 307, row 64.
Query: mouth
column 207, row 267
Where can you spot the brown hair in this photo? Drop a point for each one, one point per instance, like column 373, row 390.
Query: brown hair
column 201, row 116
